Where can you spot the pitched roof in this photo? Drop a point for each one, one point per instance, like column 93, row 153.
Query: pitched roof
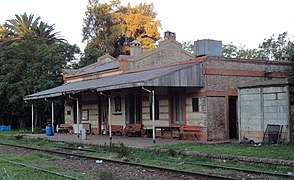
column 105, row 62
column 104, row 67
column 183, row 75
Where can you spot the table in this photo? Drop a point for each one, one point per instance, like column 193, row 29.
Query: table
column 167, row 128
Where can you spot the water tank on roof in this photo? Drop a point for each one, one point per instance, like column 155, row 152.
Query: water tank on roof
column 207, row 47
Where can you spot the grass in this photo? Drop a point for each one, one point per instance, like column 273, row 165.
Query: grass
column 14, row 171
column 172, row 159
column 194, row 163
column 281, row 151
column 10, row 171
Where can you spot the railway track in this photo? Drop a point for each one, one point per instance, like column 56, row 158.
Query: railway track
column 185, row 173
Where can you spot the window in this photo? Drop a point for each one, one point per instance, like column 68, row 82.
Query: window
column 85, row 115
column 117, row 105
column 68, row 113
column 195, row 104
column 156, row 107
column 178, row 103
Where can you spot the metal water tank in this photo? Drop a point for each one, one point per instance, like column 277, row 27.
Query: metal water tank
column 207, row 47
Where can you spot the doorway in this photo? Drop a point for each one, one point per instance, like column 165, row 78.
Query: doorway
column 103, row 115
column 133, row 109
column 233, row 122
column 177, row 102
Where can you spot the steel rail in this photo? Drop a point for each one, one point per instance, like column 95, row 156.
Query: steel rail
column 211, row 166
column 191, row 173
column 237, row 169
column 40, row 169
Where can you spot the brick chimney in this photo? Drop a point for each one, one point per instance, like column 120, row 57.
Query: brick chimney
column 169, row 35
column 135, row 48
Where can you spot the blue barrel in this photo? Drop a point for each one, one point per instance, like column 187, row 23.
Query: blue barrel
column 5, row 128
column 49, row 130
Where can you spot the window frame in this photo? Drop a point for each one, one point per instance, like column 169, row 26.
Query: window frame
column 85, row 115
column 195, row 108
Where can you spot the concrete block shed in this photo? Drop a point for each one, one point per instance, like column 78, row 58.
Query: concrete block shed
column 262, row 106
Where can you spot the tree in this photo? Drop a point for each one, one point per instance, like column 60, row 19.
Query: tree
column 26, row 67
column 233, row 51
column 188, row 46
column 2, row 32
column 89, row 56
column 31, row 59
column 276, row 48
column 110, row 27
column 24, row 25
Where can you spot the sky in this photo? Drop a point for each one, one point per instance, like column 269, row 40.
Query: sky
column 242, row 22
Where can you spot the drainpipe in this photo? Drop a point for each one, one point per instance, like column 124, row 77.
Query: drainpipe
column 32, row 117
column 153, row 112
column 52, row 109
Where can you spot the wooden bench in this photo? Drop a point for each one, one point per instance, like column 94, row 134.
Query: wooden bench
column 133, row 129
column 115, row 129
column 189, row 132
column 64, row 128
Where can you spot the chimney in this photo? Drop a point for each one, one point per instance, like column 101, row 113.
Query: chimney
column 169, row 35
column 135, row 48
column 285, row 57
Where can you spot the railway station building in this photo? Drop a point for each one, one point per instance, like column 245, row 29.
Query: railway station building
column 229, row 98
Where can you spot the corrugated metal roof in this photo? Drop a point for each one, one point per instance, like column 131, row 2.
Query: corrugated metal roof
column 103, row 67
column 131, row 79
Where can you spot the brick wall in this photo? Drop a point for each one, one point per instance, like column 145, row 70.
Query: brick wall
column 223, row 76
column 216, row 124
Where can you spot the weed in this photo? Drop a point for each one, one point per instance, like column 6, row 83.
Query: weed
column 172, row 152
column 121, row 150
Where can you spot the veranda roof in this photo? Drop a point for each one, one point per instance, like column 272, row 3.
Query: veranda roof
column 184, row 75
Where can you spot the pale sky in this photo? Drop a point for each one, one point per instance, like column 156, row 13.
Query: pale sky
column 245, row 22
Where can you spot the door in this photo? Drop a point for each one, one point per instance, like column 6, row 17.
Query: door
column 133, row 109
column 233, row 123
column 178, row 106
column 103, row 114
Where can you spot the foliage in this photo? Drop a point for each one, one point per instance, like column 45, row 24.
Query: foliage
column 111, row 27
column 121, row 150
column 89, row 56
column 188, row 46
column 232, row 51
column 24, row 25
column 31, row 58
column 274, row 48
column 30, row 65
